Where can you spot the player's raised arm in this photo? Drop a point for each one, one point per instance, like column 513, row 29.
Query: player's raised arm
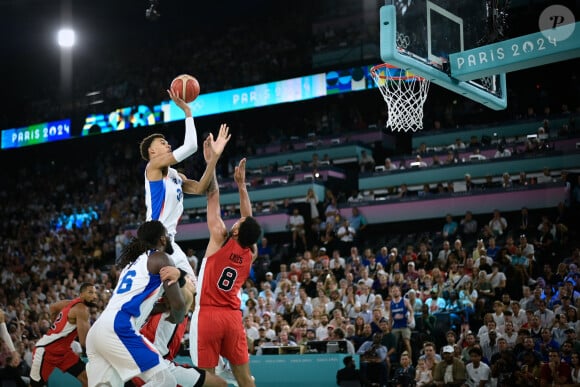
column 157, row 151
column 217, row 228
column 216, row 148
column 240, row 178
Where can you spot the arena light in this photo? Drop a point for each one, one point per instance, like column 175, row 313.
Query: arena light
column 66, row 37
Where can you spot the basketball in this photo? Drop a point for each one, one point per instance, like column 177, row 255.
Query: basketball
column 186, row 87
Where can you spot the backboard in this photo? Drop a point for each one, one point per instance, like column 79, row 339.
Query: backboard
column 419, row 35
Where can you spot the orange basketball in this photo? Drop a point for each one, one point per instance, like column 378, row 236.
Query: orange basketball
column 186, row 87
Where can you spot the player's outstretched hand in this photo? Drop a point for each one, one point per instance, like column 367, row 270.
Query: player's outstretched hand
column 169, row 273
column 179, row 102
column 222, row 139
column 240, row 172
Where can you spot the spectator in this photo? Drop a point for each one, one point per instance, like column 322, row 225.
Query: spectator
column 458, row 145
column 522, row 180
column 546, row 344
column 546, row 176
column 469, row 184
column 554, row 371
column 503, row 369
column 405, row 374
column 251, row 328
column 359, row 222
column 363, row 335
column 489, row 344
column 571, row 336
column 403, row 191
column 506, row 180
column 296, row 227
column 492, row 249
column 423, row 375
column 339, row 335
column 477, row 155
column 449, row 228
column 192, row 259
column 575, row 368
column 545, row 315
column 468, row 229
column 284, row 340
column 443, row 254
column 435, row 304
column 497, row 280
column 346, row 234
column 348, row 373
column 430, row 355
column 498, row 224
column 450, row 371
column 502, row 151
column 373, row 355
column 332, row 214
column 389, row 165
column 366, row 162
column 355, row 197
column 478, row 373
column 312, row 201
column 389, row 340
column 419, row 162
column 15, row 372
column 528, row 350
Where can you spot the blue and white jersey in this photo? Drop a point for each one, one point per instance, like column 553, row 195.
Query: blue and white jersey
column 399, row 312
column 164, row 200
column 136, row 292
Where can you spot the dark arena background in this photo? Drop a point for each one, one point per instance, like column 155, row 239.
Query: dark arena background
column 475, row 213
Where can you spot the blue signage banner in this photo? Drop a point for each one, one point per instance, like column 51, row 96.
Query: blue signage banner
column 266, row 94
column 290, row 90
column 36, row 134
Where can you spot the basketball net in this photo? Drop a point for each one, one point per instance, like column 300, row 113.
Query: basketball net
column 405, row 95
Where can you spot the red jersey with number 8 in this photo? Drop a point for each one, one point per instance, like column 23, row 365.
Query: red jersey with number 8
column 222, row 275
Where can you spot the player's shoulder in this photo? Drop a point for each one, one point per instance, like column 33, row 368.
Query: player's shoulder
column 80, row 306
column 157, row 260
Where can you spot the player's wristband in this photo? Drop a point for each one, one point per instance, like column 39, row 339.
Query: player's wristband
column 181, row 280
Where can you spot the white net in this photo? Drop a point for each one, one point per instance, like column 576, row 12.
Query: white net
column 404, row 94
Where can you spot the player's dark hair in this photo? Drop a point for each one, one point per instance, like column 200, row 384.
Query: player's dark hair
column 146, row 143
column 148, row 236
column 476, row 350
column 249, row 232
column 84, row 286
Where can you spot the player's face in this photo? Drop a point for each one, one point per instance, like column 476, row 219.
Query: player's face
column 89, row 296
column 159, row 146
column 167, row 245
column 236, row 227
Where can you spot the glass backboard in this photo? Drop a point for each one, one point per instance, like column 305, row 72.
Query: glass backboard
column 419, row 35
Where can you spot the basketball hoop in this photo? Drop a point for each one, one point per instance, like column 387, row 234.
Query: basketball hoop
column 405, row 95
